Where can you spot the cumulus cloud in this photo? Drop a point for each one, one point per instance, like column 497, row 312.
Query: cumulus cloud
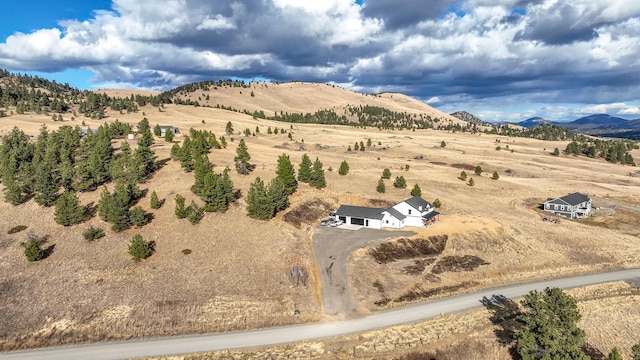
column 475, row 53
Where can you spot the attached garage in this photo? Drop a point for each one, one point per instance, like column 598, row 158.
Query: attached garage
column 360, row 216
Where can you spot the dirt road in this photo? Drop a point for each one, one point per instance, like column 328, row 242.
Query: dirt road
column 333, row 247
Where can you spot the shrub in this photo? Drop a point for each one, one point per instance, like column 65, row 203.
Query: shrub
column 498, row 148
column 443, row 144
column 463, row 176
column 555, row 152
column 32, row 250
column 386, row 174
column 495, row 176
column 93, row 233
column 16, row 229
column 140, row 249
column 400, row 182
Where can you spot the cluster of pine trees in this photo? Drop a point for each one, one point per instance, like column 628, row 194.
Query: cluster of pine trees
column 613, row 151
column 194, row 145
column 66, row 161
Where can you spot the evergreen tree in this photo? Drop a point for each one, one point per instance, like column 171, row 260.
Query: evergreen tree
column 227, row 187
column 361, row 146
column 144, row 156
column 317, row 175
column 635, row 352
column 471, row 182
column 155, row 202
column 32, row 250
column 277, row 195
column 614, row 354
column 386, row 174
column 443, row 144
column 304, row 171
column 400, row 182
column 242, row 158
column 463, row 176
column 286, row 174
column 99, row 160
column 229, row 128
column 138, row 216
column 186, row 159
column 258, row 204
column 356, row 147
column 437, row 204
column 495, row 176
column 139, row 249
column 416, row 191
column 380, row 188
column 344, row 168
column 369, row 142
column 195, row 213
column 478, row 170
column 45, row 185
column 114, row 208
column 168, row 135
column 157, row 131
column 202, row 167
column 180, row 211
column 549, row 327
column 555, row 152
column 68, row 210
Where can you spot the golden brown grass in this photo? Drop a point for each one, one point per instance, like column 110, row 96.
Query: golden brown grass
column 235, row 277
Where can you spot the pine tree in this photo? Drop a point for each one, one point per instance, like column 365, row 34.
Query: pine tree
column 416, row 191
column 443, row 144
column 471, row 182
column 138, row 216
column 99, row 160
column 186, row 159
column 361, row 146
column 286, row 174
column 154, row 202
column 258, row 204
column 380, row 188
column 157, row 131
column 277, row 195
column 437, row 204
column 614, row 354
column 229, row 128
column 478, row 170
column 242, row 158
column 495, row 176
column 386, row 174
column 400, row 182
column 304, row 171
column 369, row 142
column 114, row 208
column 168, row 136
column 549, row 327
column 344, row 168
column 68, row 210
column 139, row 249
column 180, row 211
column 317, row 175
column 144, row 156
column 45, row 185
column 356, row 147
column 202, row 167
column 463, row 176
column 194, row 213
column 555, row 152
column 32, row 250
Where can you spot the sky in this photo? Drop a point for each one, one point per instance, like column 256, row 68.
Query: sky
column 501, row 60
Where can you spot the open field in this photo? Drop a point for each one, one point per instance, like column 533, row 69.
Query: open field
column 235, row 277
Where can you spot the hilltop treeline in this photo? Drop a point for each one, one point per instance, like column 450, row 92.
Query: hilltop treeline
column 613, row 151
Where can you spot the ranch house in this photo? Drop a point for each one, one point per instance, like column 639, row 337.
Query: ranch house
column 415, row 212
column 571, row 206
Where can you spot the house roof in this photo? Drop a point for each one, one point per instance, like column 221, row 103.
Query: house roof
column 360, row 212
column 431, row 215
column 395, row 213
column 416, row 202
column 571, row 199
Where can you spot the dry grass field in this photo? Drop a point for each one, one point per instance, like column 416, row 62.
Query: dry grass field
column 235, row 276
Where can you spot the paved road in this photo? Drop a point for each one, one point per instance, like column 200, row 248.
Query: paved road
column 333, row 247
column 233, row 340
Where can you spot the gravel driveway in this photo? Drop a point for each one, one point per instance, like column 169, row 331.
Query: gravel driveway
column 332, row 248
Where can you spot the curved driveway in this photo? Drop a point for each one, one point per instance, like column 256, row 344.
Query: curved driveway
column 272, row 336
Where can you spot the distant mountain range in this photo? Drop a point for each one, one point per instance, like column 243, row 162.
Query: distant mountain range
column 598, row 124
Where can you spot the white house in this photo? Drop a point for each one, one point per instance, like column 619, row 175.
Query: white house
column 415, row 212
column 163, row 130
column 572, row 206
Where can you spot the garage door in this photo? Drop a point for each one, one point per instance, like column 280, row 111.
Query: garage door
column 357, row 221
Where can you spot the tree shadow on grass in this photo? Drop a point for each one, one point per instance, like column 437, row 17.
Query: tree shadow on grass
column 592, row 352
column 90, row 210
column 504, row 312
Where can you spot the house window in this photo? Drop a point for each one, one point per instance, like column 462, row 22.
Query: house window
column 409, row 211
column 561, row 207
column 387, row 221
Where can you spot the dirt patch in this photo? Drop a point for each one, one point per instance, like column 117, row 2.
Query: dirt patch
column 405, row 248
column 307, row 213
column 418, row 266
column 438, row 163
column 458, row 264
column 463, row 166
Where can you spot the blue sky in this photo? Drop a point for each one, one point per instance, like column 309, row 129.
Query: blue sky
column 502, row 60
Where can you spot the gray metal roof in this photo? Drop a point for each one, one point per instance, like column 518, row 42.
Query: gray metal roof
column 416, row 202
column 571, row 199
column 395, row 213
column 431, row 215
column 360, row 212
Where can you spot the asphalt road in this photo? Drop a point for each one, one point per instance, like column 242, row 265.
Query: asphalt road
column 243, row 339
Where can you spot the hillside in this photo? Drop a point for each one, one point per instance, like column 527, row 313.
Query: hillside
column 230, row 271
column 470, row 118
